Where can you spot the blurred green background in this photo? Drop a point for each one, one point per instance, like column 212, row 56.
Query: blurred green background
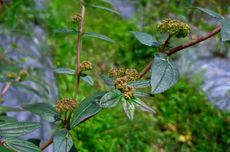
column 185, row 120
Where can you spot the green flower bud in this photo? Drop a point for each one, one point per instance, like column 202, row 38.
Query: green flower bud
column 11, row 75
column 174, row 27
column 23, row 74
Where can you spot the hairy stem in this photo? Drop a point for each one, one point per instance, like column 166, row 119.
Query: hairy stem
column 78, row 50
column 183, row 46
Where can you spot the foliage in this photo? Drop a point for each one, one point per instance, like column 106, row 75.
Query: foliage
column 124, row 87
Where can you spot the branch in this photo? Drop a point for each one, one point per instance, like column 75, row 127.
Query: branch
column 183, row 46
column 5, row 89
column 78, row 50
column 45, row 145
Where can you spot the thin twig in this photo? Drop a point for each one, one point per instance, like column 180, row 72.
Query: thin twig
column 183, row 46
column 45, row 145
column 78, row 50
column 166, row 43
column 5, row 89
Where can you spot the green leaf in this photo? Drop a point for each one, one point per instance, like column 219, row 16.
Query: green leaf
column 100, row 36
column 211, row 13
column 110, row 99
column 87, row 108
column 146, row 38
column 140, row 84
column 88, row 79
column 9, row 109
column 225, row 30
column 64, row 71
column 129, row 109
column 104, row 8
column 44, row 110
column 20, row 145
column 164, row 74
column 66, row 31
column 141, row 94
column 62, row 141
column 7, row 119
column 143, row 106
column 16, row 129
column 107, row 1
column 30, row 89
column 108, row 81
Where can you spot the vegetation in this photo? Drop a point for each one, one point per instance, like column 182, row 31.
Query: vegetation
column 183, row 118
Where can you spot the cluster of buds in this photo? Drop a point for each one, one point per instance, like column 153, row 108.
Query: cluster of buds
column 174, row 27
column 128, row 92
column 65, row 105
column 85, row 66
column 17, row 76
column 76, row 18
column 129, row 74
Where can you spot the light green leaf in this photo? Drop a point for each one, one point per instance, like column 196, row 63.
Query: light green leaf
column 129, row 109
column 62, row 141
column 19, row 145
column 31, row 90
column 88, row 79
column 164, row 74
column 87, row 108
column 9, row 109
column 141, row 94
column 44, row 110
column 100, row 36
column 211, row 13
column 225, row 30
column 146, row 38
column 107, row 1
column 64, row 71
column 16, row 129
column 104, row 8
column 110, row 99
column 143, row 106
column 108, row 81
column 66, row 31
column 140, row 84
column 7, row 119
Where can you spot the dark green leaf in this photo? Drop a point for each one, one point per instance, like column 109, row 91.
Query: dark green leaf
column 100, row 36
column 88, row 79
column 30, row 89
column 104, row 8
column 44, row 85
column 140, row 84
column 44, row 110
column 16, row 129
column 211, row 13
column 164, row 74
column 35, row 141
column 66, row 31
column 225, row 31
column 129, row 109
column 87, row 108
column 107, row 1
column 110, row 99
column 62, row 141
column 108, row 81
column 144, row 107
column 141, row 94
column 19, row 145
column 64, row 71
column 146, row 38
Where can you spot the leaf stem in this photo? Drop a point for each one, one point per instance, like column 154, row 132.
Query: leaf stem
column 78, row 49
column 183, row 46
column 5, row 89
column 166, row 42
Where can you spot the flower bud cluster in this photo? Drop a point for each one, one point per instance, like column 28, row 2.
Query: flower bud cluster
column 174, row 27
column 76, row 18
column 130, row 74
column 85, row 66
column 19, row 76
column 65, row 105
column 123, row 76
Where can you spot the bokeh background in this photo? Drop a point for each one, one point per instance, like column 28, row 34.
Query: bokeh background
column 192, row 116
